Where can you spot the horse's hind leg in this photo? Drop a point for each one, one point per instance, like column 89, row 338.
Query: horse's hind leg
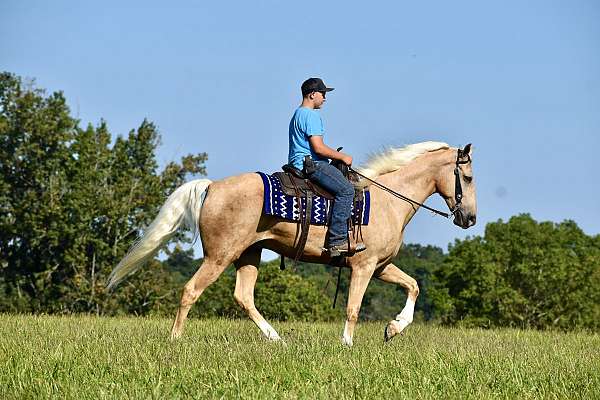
column 206, row 275
column 247, row 272
column 392, row 274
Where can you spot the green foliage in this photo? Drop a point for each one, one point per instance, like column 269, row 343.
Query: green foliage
column 279, row 295
column 70, row 204
column 522, row 273
column 286, row 296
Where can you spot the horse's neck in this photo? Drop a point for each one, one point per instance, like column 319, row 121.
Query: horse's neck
column 415, row 181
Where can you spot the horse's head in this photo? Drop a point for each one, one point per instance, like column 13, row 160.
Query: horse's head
column 456, row 185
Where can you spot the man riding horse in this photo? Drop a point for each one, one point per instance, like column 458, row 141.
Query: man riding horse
column 308, row 152
column 230, row 217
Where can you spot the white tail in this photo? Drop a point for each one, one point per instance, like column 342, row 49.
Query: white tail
column 182, row 207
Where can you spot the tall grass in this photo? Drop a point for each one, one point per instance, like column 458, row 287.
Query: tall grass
column 91, row 358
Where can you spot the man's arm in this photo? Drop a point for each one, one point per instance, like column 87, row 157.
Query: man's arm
column 316, row 143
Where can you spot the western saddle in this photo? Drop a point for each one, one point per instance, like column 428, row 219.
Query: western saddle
column 295, row 183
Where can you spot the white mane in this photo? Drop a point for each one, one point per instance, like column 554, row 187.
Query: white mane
column 391, row 159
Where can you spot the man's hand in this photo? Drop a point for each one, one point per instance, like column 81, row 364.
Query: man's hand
column 346, row 159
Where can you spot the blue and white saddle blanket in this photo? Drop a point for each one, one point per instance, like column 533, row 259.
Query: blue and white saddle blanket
column 278, row 204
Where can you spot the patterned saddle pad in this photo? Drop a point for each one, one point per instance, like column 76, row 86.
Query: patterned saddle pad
column 283, row 206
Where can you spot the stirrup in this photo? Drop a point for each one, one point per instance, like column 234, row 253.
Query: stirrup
column 360, row 246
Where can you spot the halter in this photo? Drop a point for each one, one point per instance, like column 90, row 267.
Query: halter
column 457, row 188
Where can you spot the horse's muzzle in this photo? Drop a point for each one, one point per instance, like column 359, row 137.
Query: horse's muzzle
column 464, row 221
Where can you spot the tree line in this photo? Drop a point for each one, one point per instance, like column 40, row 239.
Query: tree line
column 73, row 199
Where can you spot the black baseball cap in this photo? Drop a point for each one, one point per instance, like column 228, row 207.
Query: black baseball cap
column 314, row 85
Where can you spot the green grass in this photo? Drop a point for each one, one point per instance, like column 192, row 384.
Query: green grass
column 91, row 358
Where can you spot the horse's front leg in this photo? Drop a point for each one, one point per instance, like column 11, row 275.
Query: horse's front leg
column 392, row 274
column 359, row 281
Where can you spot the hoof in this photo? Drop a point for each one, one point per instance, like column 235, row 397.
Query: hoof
column 273, row 338
column 347, row 341
column 176, row 333
column 392, row 329
column 386, row 335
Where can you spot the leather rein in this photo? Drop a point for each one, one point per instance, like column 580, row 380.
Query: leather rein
column 458, row 195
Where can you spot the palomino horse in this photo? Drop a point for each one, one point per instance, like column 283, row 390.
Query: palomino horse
column 228, row 216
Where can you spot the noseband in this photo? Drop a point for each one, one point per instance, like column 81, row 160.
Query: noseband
column 457, row 188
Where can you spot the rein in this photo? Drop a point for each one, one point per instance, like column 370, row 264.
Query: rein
column 458, row 195
column 457, row 188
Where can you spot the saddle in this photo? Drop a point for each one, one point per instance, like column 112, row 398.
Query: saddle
column 294, row 182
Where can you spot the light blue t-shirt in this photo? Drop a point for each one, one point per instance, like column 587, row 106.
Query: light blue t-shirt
column 304, row 123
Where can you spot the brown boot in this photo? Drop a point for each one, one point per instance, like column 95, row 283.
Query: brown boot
column 343, row 249
column 338, row 250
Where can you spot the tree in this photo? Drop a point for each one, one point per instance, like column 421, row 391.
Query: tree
column 70, row 204
column 522, row 273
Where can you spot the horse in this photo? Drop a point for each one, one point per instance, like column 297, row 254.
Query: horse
column 228, row 217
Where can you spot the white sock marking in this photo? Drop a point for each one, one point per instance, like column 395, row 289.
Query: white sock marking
column 268, row 331
column 347, row 339
column 406, row 315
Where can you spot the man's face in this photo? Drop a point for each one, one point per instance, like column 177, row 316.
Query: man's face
column 318, row 99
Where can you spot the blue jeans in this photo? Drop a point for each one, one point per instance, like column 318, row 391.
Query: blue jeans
column 336, row 183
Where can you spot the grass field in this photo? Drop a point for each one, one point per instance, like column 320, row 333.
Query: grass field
column 90, row 358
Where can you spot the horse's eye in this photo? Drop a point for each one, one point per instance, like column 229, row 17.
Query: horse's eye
column 468, row 179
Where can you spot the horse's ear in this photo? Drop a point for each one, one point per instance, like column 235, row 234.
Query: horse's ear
column 467, row 150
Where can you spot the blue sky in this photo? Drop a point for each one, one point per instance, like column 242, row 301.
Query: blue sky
column 520, row 80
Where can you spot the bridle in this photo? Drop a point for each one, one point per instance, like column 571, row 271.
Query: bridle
column 458, row 194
